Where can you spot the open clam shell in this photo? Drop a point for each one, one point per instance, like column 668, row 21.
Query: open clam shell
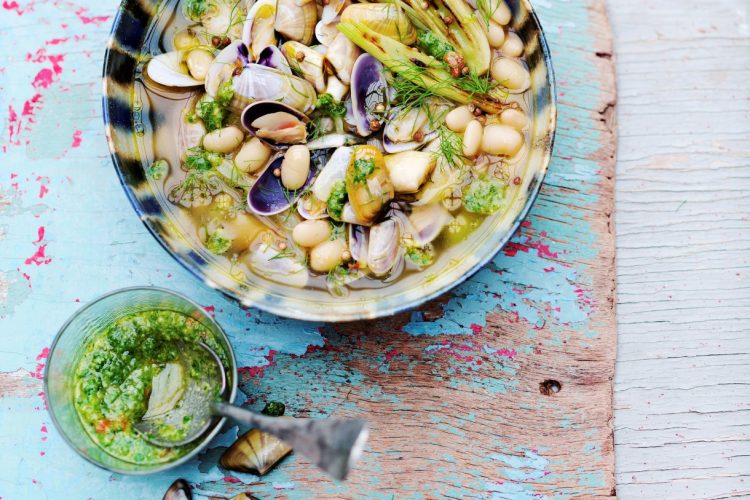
column 295, row 19
column 255, row 452
column 369, row 92
column 268, row 196
column 169, row 69
column 272, row 57
column 359, row 239
column 231, row 57
column 275, row 123
column 384, row 247
column 257, row 31
column 257, row 82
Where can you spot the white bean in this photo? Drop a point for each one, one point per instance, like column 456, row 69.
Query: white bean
column 510, row 74
column 327, row 255
column 252, row 155
column 501, row 140
column 310, row 233
column 198, row 61
column 515, row 118
column 495, row 34
column 459, row 118
column 472, row 138
column 223, row 140
column 513, row 46
column 295, row 167
column 498, row 11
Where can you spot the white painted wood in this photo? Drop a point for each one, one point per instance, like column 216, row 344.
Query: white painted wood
column 682, row 389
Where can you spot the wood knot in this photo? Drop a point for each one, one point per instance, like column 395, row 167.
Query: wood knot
column 550, row 387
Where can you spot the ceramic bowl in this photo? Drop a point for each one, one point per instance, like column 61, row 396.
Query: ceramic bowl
column 130, row 124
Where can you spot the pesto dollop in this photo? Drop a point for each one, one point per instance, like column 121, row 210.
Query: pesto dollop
column 114, row 376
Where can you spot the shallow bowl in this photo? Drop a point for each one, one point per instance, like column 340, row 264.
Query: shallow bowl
column 127, row 120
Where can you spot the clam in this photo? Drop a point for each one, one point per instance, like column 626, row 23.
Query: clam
column 387, row 19
column 231, row 58
column 408, row 170
column 384, row 246
column 275, row 123
column 341, row 54
column 359, row 238
column 330, row 141
column 224, row 18
column 367, row 183
column 258, row 32
column 179, row 490
column 268, row 196
column 427, row 222
column 272, row 57
column 169, row 69
column 276, row 265
column 326, row 32
column 257, row 82
column 255, row 452
column 306, row 62
column 332, row 11
column 368, row 90
column 295, row 19
column 336, row 88
column 348, row 216
column 334, row 171
column 311, row 208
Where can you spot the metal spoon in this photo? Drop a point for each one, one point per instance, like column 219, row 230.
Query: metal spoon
column 333, row 444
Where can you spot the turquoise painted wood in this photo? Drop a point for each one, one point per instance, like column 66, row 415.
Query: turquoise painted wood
column 455, row 390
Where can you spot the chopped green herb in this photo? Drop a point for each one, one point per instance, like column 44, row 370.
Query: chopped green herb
column 200, row 159
column 225, row 93
column 217, row 244
column 194, row 9
column 336, row 200
column 484, row 196
column 211, row 112
column 273, row 409
column 158, row 169
column 420, row 256
column 362, row 170
column 327, row 105
column 433, row 45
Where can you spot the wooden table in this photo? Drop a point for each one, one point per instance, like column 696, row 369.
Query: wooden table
column 682, row 396
column 682, row 391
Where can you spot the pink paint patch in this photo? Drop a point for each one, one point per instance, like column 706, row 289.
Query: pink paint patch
column 43, row 428
column 506, row 353
column 97, row 20
column 39, row 370
column 43, row 78
column 14, row 7
column 389, row 355
column 39, row 258
column 76, row 138
column 39, row 235
column 230, row 479
column 476, row 328
column 42, row 191
column 56, row 41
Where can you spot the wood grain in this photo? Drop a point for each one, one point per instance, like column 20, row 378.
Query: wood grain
column 683, row 241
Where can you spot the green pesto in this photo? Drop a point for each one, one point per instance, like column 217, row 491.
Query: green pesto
column 327, row 105
column 158, row 170
column 420, row 256
column 433, row 45
column 114, row 375
column 211, row 112
column 362, row 169
column 336, row 200
column 484, row 196
column 199, row 159
column 195, row 9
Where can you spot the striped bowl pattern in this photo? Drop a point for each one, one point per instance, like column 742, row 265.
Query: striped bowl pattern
column 122, row 62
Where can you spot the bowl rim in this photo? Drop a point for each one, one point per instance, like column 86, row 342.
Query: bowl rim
column 209, row 436
column 363, row 313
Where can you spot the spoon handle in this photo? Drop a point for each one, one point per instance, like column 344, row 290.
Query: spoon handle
column 333, row 444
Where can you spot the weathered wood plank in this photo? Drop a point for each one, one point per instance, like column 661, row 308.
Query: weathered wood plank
column 683, row 241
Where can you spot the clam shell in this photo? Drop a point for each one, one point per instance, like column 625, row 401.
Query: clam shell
column 179, row 490
column 167, row 69
column 427, row 222
column 310, row 208
column 368, row 89
column 272, row 57
column 282, row 124
column 257, row 82
column 295, row 19
column 332, row 10
column 224, row 18
column 268, row 196
column 257, row 31
column 331, row 141
column 326, row 32
column 359, row 239
column 333, row 172
column 306, row 62
column 255, row 452
column 384, row 246
column 266, row 261
column 342, row 53
column 222, row 68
